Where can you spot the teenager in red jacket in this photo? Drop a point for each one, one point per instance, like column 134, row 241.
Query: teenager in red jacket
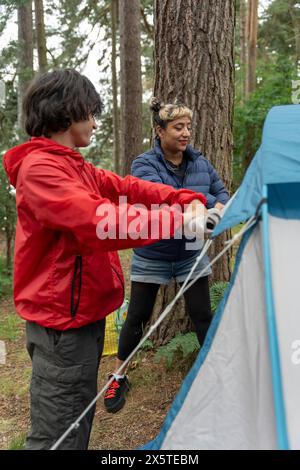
column 67, row 274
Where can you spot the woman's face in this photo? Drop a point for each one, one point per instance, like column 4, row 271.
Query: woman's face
column 176, row 136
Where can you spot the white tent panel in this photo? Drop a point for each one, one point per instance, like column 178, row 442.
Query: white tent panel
column 230, row 403
column 285, row 264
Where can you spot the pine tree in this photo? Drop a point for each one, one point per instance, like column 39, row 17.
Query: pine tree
column 131, row 84
column 25, row 66
column 40, row 35
column 252, row 24
column 194, row 64
column 114, row 81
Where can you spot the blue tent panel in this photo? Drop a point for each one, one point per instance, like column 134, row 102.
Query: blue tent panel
column 277, row 161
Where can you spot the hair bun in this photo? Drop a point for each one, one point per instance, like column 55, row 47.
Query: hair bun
column 155, row 104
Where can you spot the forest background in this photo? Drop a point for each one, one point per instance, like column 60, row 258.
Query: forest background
column 230, row 61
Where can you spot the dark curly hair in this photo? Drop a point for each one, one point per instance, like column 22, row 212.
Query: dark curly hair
column 56, row 99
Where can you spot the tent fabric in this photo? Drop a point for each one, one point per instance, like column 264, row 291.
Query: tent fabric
column 283, row 200
column 285, row 260
column 276, row 161
column 281, row 145
column 225, row 402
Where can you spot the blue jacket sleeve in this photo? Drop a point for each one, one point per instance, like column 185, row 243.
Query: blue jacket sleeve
column 217, row 191
column 144, row 170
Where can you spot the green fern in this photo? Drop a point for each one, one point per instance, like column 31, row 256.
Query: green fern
column 217, row 291
column 183, row 346
column 148, row 345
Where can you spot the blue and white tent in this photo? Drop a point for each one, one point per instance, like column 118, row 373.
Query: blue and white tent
column 243, row 390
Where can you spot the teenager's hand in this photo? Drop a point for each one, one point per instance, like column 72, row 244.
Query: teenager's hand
column 196, row 209
column 194, row 219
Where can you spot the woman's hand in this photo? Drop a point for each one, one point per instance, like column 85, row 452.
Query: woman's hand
column 219, row 206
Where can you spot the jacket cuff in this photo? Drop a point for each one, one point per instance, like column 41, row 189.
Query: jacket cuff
column 210, row 201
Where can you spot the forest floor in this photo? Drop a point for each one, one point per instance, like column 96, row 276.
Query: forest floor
column 153, row 390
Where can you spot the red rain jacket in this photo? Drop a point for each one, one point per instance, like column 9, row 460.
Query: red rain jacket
column 64, row 275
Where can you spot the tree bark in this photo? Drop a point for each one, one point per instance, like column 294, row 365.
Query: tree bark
column 252, row 22
column 41, row 35
column 243, row 45
column 252, row 43
column 114, row 81
column 194, row 60
column 131, row 83
column 25, row 66
column 194, row 64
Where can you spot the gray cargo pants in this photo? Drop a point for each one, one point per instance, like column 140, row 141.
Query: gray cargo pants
column 64, row 381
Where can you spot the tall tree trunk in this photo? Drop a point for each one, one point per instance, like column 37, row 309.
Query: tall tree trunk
column 40, row 35
column 194, row 64
column 25, row 66
column 131, row 83
column 252, row 22
column 243, row 44
column 252, row 43
column 194, row 59
column 114, row 80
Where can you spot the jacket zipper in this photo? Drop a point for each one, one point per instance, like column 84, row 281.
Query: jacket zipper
column 183, row 179
column 78, row 264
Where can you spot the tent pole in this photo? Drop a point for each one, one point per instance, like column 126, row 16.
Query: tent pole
column 282, row 435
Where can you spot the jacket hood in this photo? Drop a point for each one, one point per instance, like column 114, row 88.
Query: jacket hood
column 13, row 158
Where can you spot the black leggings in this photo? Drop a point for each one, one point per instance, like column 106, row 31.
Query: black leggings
column 142, row 300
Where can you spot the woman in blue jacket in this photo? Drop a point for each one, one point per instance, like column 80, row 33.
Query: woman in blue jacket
column 174, row 162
